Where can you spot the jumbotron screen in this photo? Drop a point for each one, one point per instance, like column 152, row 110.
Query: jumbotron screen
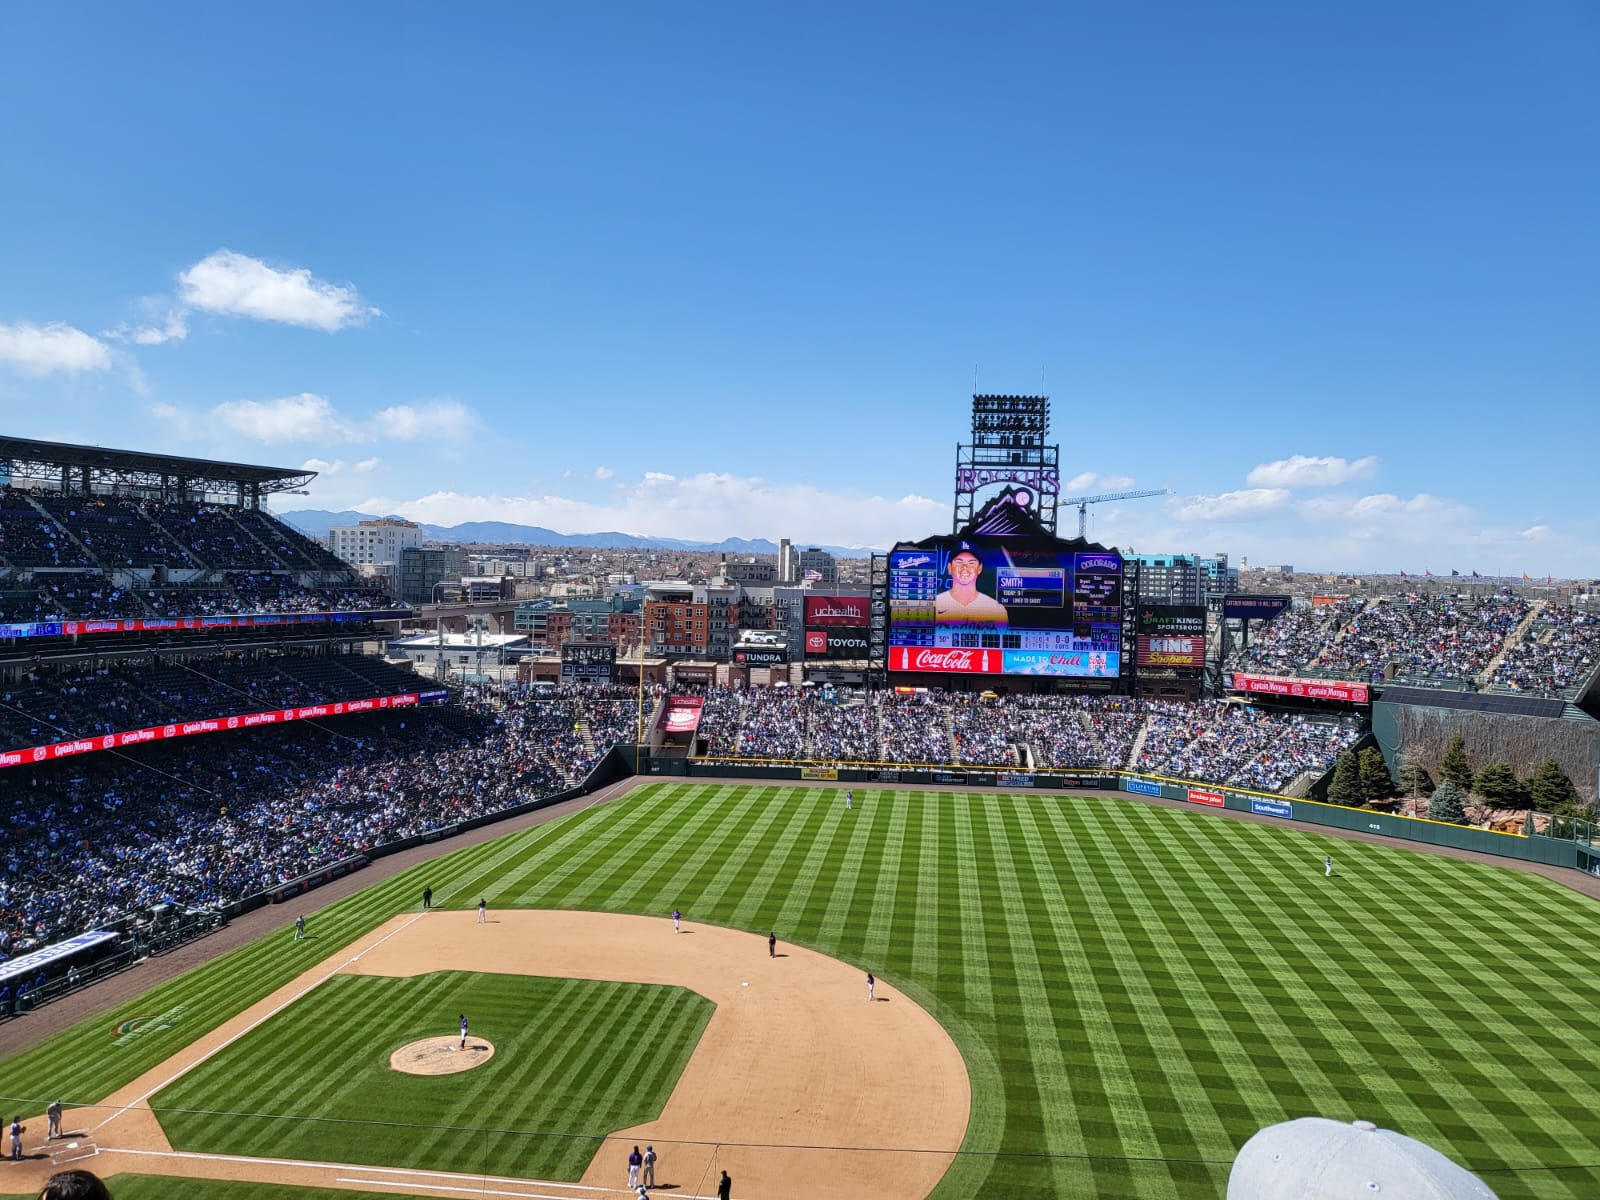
column 1003, row 607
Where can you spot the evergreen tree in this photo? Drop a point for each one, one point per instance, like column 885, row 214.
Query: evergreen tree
column 1447, row 804
column 1497, row 783
column 1375, row 781
column 1550, row 790
column 1454, row 766
column 1346, row 786
column 1414, row 779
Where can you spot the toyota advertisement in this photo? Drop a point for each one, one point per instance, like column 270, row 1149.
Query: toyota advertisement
column 1005, row 606
column 838, row 642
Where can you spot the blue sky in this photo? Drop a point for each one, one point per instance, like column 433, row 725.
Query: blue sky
column 1331, row 274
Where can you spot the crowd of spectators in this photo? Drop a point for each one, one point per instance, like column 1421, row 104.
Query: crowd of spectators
column 1426, row 638
column 1296, row 639
column 1556, row 657
column 205, row 822
column 1215, row 741
column 59, row 703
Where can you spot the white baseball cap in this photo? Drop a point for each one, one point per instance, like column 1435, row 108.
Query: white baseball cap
column 1314, row 1158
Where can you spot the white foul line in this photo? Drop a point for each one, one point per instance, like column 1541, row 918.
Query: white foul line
column 221, row 1046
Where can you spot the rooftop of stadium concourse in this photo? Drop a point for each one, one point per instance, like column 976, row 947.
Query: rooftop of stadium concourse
column 86, row 470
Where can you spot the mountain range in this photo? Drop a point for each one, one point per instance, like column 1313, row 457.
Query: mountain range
column 315, row 522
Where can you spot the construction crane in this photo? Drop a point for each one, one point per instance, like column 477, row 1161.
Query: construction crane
column 1083, row 502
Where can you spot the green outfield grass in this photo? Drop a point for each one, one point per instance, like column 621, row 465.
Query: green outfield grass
column 1136, row 989
column 571, row 1056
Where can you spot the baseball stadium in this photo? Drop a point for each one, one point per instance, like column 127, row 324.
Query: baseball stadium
column 1075, row 896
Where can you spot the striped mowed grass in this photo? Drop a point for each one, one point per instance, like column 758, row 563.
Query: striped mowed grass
column 1136, row 989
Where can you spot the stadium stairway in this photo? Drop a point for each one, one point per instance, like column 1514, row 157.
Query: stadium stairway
column 1138, row 743
column 1518, row 636
column 950, row 736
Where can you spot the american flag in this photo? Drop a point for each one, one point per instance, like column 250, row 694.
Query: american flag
column 813, row 575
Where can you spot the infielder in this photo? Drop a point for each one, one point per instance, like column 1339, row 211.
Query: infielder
column 677, row 921
column 871, row 982
column 483, row 912
column 635, row 1161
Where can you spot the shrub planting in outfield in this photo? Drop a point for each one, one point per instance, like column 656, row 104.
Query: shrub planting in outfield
column 571, row 1057
column 1136, row 989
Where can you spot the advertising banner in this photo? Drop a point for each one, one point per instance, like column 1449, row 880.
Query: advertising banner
column 1273, row 808
column 681, row 715
column 65, row 628
column 836, row 643
column 161, row 733
column 922, row 658
column 1014, row 779
column 761, row 656
column 1142, row 787
column 1308, row 689
column 1253, row 608
column 1205, row 796
column 1096, row 664
column 819, row 773
column 823, row 611
column 1172, row 620
column 1172, row 651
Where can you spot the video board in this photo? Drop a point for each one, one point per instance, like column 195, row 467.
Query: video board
column 1005, row 606
column 593, row 661
column 1171, row 635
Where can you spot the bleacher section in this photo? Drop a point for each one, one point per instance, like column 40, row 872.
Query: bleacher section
column 76, row 557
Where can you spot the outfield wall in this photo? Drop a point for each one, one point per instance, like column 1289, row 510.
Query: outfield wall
column 1551, row 851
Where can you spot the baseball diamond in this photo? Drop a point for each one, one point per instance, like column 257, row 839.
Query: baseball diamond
column 1078, row 996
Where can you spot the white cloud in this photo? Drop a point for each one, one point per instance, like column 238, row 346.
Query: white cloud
column 436, row 418
column 1090, row 481
column 241, row 286
column 322, row 466
column 303, row 418
column 1386, row 506
column 1250, row 504
column 1535, row 533
column 1302, row 470
column 174, row 328
column 366, row 465
column 705, row 507
column 603, row 473
column 44, row 349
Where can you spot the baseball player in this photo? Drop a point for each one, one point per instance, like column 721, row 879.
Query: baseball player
column 1327, row 866
column 463, row 1031
column 483, row 911
column 300, row 928
column 849, row 798
column 648, row 1177
column 677, row 921
column 635, row 1161
column 772, row 945
column 53, row 1115
column 17, row 1130
column 871, row 983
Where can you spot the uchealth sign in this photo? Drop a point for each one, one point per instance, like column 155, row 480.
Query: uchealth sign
column 1308, row 689
column 837, row 610
column 161, row 733
column 836, row 643
column 1205, row 796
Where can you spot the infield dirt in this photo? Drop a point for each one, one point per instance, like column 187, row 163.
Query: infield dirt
column 798, row 1085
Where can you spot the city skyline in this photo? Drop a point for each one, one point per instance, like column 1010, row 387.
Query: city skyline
column 1330, row 277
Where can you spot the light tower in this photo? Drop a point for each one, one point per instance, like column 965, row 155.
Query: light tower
column 1008, row 446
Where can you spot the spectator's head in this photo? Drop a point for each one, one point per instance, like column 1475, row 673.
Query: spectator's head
column 74, row 1185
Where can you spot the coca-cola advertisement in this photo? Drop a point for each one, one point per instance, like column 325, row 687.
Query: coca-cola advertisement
column 824, row 611
column 1305, row 689
column 963, row 662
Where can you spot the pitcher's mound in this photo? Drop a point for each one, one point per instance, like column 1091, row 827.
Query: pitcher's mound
column 440, row 1056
